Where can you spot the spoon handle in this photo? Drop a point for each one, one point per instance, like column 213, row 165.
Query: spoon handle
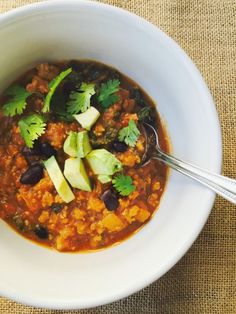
column 222, row 185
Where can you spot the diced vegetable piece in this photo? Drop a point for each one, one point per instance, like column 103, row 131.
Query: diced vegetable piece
column 104, row 178
column 88, row 118
column 77, row 144
column 143, row 215
column 70, row 145
column 83, row 144
column 103, row 162
column 76, row 174
column 58, row 179
column 112, row 222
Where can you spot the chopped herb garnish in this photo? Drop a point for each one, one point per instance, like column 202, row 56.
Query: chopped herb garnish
column 137, row 95
column 107, row 96
column 31, row 128
column 52, row 88
column 17, row 102
column 80, row 100
column 129, row 134
column 123, row 184
column 144, row 113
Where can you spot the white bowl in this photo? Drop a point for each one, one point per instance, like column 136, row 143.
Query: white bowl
column 57, row 30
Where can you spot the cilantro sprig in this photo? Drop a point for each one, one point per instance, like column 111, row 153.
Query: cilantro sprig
column 107, row 96
column 31, row 128
column 129, row 134
column 17, row 102
column 123, row 184
column 80, row 100
column 52, row 88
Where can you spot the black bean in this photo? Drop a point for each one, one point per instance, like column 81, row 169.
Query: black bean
column 33, row 160
column 34, row 151
column 32, row 175
column 47, row 150
column 110, row 200
column 120, row 146
column 57, row 208
column 41, row 232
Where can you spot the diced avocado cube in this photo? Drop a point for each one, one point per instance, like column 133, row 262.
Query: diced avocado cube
column 83, row 144
column 103, row 162
column 58, row 180
column 75, row 173
column 104, row 178
column 88, row 118
column 70, row 144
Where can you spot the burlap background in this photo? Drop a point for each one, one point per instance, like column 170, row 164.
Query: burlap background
column 204, row 281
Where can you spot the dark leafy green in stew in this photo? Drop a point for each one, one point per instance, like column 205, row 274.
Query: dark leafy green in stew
column 71, row 146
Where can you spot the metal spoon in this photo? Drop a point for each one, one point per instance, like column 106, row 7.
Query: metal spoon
column 223, row 186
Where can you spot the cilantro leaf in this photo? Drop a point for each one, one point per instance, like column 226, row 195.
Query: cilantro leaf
column 80, row 100
column 123, row 184
column 63, row 115
column 110, row 100
column 52, row 88
column 129, row 134
column 107, row 96
column 31, row 128
column 17, row 102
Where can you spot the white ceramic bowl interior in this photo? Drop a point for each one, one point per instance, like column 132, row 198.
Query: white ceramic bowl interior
column 81, row 29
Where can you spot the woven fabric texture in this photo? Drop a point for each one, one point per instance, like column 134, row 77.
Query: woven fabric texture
column 204, row 281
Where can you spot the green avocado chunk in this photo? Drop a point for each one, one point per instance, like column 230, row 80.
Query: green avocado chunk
column 75, row 173
column 77, row 144
column 104, row 178
column 103, row 162
column 83, row 144
column 70, row 145
column 58, row 179
column 88, row 118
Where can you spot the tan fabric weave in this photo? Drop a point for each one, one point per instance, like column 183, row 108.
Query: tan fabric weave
column 204, row 281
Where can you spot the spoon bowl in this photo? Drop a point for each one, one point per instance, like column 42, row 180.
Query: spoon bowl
column 223, row 186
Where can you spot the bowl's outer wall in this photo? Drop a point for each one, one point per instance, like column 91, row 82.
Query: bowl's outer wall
column 80, row 29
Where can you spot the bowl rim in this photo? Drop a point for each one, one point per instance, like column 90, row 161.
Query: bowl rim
column 16, row 15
